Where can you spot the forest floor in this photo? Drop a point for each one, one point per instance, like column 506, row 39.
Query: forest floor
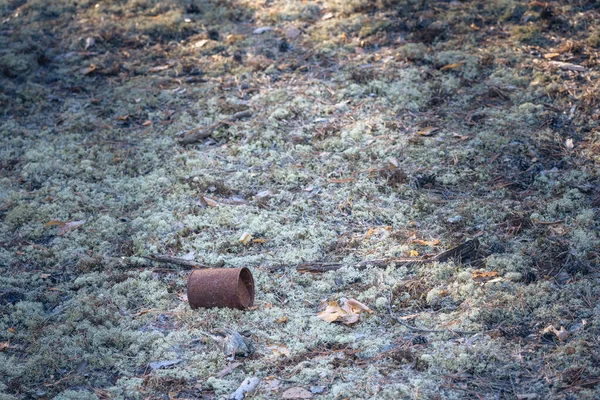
column 373, row 132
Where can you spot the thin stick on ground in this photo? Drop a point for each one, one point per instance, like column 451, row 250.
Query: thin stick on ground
column 195, row 135
column 174, row 260
column 460, row 252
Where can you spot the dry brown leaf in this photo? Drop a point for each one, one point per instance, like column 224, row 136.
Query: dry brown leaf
column 332, row 313
column 484, row 275
column 282, row 320
column 550, row 56
column 357, row 305
column 460, row 137
column 350, row 319
column 69, row 226
column 296, row 393
column 231, row 38
column 245, row 238
column 88, row 70
column 428, row 131
column 433, row 242
column 64, row 227
column 348, row 313
column 279, row 350
column 4, row 345
column 562, row 334
column 54, row 222
column 451, row 66
column 474, row 27
column 12, row 329
column 209, row 201
column 413, row 253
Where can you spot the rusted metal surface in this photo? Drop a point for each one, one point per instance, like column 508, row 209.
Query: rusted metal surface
column 221, row 287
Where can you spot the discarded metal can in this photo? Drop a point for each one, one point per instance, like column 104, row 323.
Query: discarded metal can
column 221, row 287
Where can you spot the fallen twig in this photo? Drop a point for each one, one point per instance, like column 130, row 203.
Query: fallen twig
column 175, row 260
column 462, row 251
column 198, row 134
column 318, row 267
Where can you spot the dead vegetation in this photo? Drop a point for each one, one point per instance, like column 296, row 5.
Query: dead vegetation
column 352, row 144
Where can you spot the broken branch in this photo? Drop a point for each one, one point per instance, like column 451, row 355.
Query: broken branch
column 462, row 251
column 174, row 260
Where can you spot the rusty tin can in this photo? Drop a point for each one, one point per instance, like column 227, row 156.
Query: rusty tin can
column 221, row 287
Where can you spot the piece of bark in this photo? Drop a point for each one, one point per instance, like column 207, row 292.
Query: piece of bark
column 198, row 134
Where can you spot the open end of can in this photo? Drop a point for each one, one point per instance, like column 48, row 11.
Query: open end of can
column 246, row 288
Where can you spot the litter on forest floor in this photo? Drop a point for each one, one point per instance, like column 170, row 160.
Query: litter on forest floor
column 247, row 386
column 163, row 364
column 221, row 287
column 562, row 334
column 65, row 227
column 297, row 393
column 233, row 343
column 347, row 313
column 466, row 250
column 200, row 133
